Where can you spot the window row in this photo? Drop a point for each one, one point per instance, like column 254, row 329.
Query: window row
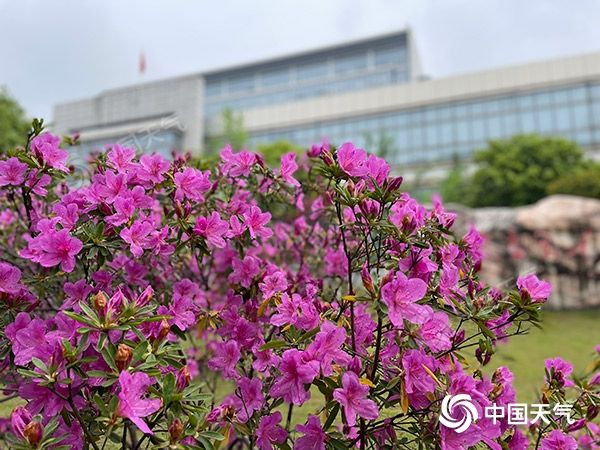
column 340, row 65
column 300, row 92
column 580, row 122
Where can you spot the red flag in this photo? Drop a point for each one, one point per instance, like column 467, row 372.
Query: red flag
column 142, row 64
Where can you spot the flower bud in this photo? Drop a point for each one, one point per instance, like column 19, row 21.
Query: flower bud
column 175, row 430
column 367, row 280
column 100, row 302
column 592, row 412
column 577, row 425
column 19, row 419
column 351, row 188
column 123, row 357
column 183, row 378
column 145, row 297
column 179, row 209
column 33, row 433
column 395, row 184
column 164, row 330
column 258, row 159
column 327, row 157
column 458, row 337
column 315, row 150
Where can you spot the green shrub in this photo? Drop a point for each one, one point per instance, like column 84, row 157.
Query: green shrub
column 584, row 181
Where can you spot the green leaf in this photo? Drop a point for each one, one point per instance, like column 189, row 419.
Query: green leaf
column 273, row 345
column 168, row 388
column 206, row 443
column 212, row 435
column 331, row 417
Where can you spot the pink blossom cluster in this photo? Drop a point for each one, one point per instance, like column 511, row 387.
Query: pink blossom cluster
column 338, row 308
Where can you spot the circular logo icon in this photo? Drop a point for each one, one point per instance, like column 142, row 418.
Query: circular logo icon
column 458, row 422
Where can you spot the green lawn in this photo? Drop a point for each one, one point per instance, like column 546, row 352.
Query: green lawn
column 572, row 335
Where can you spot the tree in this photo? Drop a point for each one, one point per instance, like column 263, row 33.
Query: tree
column 273, row 151
column 233, row 132
column 584, row 182
column 455, row 188
column 517, row 171
column 13, row 125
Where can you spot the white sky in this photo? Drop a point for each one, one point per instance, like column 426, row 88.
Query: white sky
column 60, row 50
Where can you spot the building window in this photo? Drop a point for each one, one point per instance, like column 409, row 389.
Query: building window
column 351, row 63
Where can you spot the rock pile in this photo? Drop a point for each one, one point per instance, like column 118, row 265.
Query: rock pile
column 558, row 238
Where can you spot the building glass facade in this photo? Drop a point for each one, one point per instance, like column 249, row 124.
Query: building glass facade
column 377, row 62
column 437, row 133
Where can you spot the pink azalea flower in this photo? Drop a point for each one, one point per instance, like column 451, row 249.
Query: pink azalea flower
column 213, row 228
column 73, row 434
column 12, row 172
column 9, row 278
column 248, row 398
column 41, row 398
column 226, row 357
column 181, row 311
column 534, row 288
column 137, row 236
column 327, row 348
column 28, row 338
column 417, row 380
column 111, row 185
column 379, row 169
column 474, row 243
column 313, row 435
column 518, row 441
column 295, row 373
column 273, row 283
column 52, row 248
column 192, row 183
column 242, row 164
column 352, row 160
column 288, row 167
column 152, row 168
column 557, row 440
column 124, row 210
column 38, row 184
column 559, row 370
column 132, row 405
column 400, row 295
column 407, row 214
column 295, row 311
column 418, row 263
column 269, row 432
column 336, row 263
column 68, row 215
column 46, row 148
column 255, row 220
column 245, row 270
column 19, row 419
column 121, row 158
column 352, row 396
column 436, row 331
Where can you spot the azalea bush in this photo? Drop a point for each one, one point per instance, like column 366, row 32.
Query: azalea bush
column 316, row 305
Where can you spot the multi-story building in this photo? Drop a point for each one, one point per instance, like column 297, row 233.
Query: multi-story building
column 357, row 91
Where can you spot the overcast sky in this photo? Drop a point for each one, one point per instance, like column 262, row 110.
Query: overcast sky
column 53, row 51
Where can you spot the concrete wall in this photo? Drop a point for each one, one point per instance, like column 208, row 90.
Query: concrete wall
column 175, row 102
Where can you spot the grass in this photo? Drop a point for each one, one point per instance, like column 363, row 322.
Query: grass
column 571, row 335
